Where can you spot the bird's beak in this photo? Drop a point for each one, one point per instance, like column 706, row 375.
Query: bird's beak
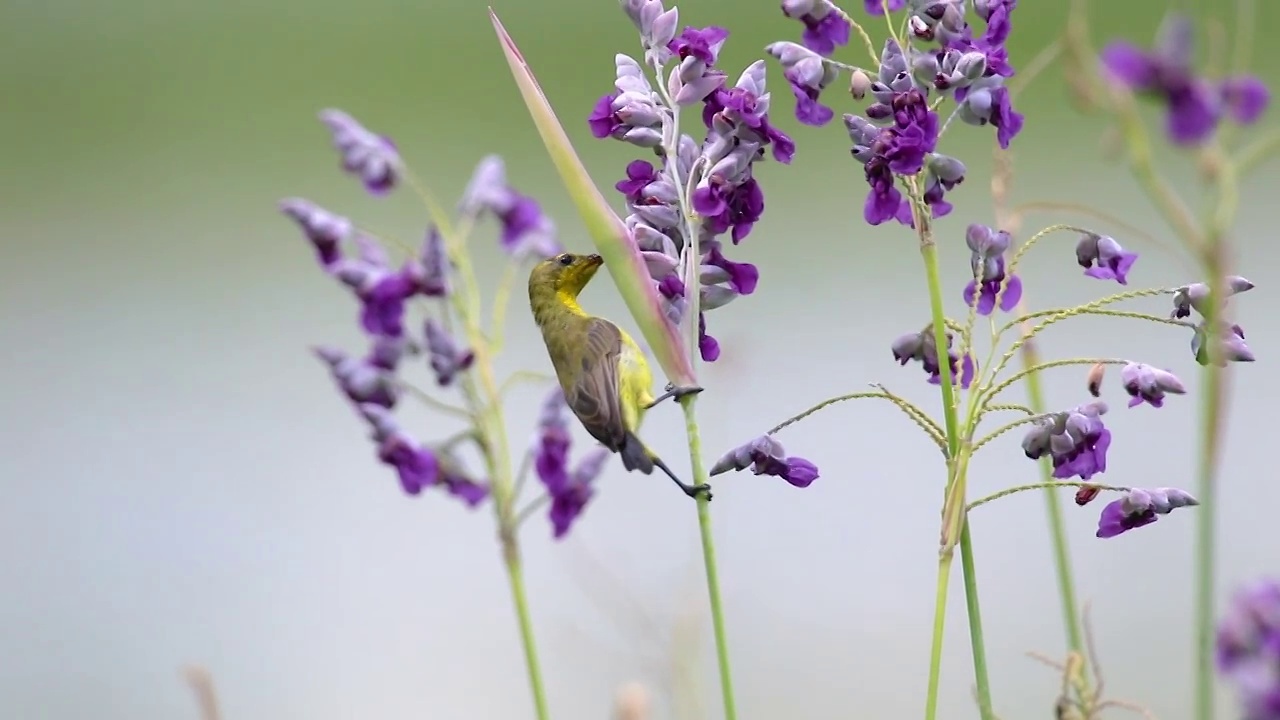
column 595, row 260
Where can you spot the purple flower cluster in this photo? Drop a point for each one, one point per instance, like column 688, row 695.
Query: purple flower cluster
column 987, row 247
column 714, row 179
column 1075, row 440
column 923, row 348
column 569, row 490
column 899, row 132
column 1248, row 648
column 766, row 456
column 1140, row 507
column 1194, row 105
column 1196, row 297
column 384, row 290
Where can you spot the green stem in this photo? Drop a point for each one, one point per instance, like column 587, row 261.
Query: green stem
column 709, row 556
column 483, row 396
column 515, row 577
column 939, row 623
column 1057, row 523
column 957, row 469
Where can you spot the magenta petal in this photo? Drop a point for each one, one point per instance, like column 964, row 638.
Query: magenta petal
column 970, row 291
column 987, row 299
column 1129, row 64
column 1247, row 98
column 1012, row 293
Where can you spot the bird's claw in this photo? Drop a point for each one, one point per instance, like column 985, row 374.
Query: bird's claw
column 694, row 491
column 675, row 393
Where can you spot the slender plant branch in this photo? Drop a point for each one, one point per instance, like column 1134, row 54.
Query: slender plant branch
column 1049, row 485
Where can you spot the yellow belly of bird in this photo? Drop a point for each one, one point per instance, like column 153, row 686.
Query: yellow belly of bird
column 635, row 382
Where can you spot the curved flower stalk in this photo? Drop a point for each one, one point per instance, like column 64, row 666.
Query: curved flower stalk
column 426, row 310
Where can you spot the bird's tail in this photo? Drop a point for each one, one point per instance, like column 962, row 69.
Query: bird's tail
column 635, row 456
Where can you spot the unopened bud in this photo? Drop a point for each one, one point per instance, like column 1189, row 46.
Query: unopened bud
column 859, row 84
column 1086, row 494
column 1096, row 374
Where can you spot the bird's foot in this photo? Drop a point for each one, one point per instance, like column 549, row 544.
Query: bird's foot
column 694, row 491
column 675, row 393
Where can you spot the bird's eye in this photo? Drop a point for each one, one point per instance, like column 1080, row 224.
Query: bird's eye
column 566, row 260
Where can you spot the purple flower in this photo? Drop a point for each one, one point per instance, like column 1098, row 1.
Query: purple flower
column 900, row 149
column 325, row 230
column 742, row 277
column 568, row 504
column 876, row 7
column 1246, row 98
column 1140, row 507
column 569, row 491
column 708, row 347
column 988, row 246
column 1248, row 648
column 1233, row 347
column 526, row 231
column 824, row 27
column 362, row 381
column 1103, row 258
column 1196, row 295
column 1194, row 105
column 384, row 301
column 808, row 75
column 987, row 101
column 726, row 206
column 447, row 358
column 991, row 44
column 630, row 114
column 415, row 464
column 1148, row 384
column 766, row 456
column 551, row 458
column 639, row 175
column 418, row 466
column 1076, row 440
column 942, row 21
column 371, row 156
column 744, row 110
column 698, row 50
column 922, row 347
column 431, row 271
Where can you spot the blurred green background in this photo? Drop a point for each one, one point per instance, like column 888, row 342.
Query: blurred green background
column 183, row 484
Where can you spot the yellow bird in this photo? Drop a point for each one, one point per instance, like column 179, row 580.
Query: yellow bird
column 605, row 377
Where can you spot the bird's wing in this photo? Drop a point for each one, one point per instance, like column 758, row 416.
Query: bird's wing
column 594, row 397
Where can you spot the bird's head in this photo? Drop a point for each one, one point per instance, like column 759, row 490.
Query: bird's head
column 565, row 274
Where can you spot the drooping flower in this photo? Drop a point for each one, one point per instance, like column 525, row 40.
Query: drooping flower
column 766, row 456
column 366, row 154
column 446, row 356
column 1139, row 507
column 744, row 108
column 1233, row 347
column 1076, row 440
column 1248, row 648
column 1194, row 105
column 987, row 101
column 1148, row 384
column 431, row 272
column 922, row 347
column 418, row 466
column 988, row 246
column 570, row 491
column 568, row 504
column 326, row 231
column 382, row 290
column 1196, row 295
column 991, row 43
column 362, row 381
column 1103, row 258
column 708, row 347
column 825, row 28
column 808, row 75
column 527, row 232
